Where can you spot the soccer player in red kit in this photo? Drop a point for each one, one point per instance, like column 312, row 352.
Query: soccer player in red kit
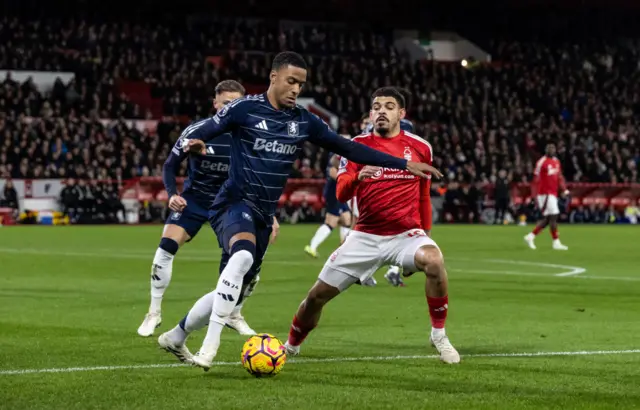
column 394, row 211
column 547, row 182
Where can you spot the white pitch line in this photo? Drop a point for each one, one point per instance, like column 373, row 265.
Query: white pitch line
column 321, row 360
column 571, row 270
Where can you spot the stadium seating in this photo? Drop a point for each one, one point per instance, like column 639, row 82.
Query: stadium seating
column 478, row 119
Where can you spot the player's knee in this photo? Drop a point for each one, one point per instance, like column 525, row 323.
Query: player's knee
column 243, row 253
column 321, row 293
column 430, row 260
column 169, row 245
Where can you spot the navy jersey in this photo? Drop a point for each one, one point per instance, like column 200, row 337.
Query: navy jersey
column 330, row 185
column 264, row 145
column 205, row 173
column 405, row 125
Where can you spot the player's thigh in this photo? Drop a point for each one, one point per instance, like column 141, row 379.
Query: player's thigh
column 345, row 216
column 357, row 259
column 552, row 206
column 184, row 226
column 233, row 223
column 548, row 205
column 402, row 249
column 331, row 219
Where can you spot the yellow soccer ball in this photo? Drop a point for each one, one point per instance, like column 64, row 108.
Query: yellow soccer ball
column 263, row 355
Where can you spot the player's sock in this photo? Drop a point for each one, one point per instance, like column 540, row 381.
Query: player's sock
column 199, row 315
column 161, row 272
column 321, row 235
column 228, row 289
column 438, row 307
column 554, row 234
column 344, row 231
column 298, row 332
column 248, row 291
column 537, row 230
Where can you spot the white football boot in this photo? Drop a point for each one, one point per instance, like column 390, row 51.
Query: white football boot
column 292, row 350
column 558, row 246
column 448, row 353
column 529, row 239
column 204, row 357
column 180, row 351
column 149, row 324
column 240, row 325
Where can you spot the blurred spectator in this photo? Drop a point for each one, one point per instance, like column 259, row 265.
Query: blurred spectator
column 502, row 195
column 10, row 196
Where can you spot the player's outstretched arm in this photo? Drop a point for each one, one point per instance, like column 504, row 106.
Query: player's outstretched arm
column 320, row 134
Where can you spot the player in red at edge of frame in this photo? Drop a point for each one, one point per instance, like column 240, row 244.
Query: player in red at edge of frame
column 393, row 207
column 547, row 182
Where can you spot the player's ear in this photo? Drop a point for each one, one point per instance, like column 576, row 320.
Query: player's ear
column 403, row 113
column 272, row 76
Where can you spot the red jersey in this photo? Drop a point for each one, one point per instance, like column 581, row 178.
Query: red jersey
column 548, row 177
column 393, row 200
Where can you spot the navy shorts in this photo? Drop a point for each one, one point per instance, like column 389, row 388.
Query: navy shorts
column 192, row 217
column 335, row 207
column 236, row 218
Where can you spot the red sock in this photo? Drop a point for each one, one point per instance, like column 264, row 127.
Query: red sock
column 298, row 332
column 554, row 233
column 438, row 308
column 537, row 229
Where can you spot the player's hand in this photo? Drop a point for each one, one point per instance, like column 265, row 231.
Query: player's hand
column 275, row 230
column 196, row 146
column 177, row 203
column 367, row 172
column 564, row 193
column 421, row 169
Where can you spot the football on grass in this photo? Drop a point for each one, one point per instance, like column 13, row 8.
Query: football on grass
column 263, row 355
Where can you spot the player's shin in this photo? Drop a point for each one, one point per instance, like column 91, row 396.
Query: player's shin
column 436, row 287
column 227, row 293
column 320, row 236
column 309, row 312
column 161, row 272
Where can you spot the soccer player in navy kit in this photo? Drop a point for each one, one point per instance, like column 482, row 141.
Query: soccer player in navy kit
column 267, row 132
column 207, row 172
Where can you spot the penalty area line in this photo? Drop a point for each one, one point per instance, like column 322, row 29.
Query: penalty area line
column 318, row 360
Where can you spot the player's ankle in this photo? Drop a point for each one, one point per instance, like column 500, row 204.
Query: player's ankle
column 437, row 332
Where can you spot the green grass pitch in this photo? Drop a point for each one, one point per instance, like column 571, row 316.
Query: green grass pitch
column 71, row 299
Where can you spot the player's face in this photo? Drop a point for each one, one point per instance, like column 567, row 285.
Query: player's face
column 386, row 115
column 364, row 124
column 225, row 98
column 287, row 84
column 551, row 150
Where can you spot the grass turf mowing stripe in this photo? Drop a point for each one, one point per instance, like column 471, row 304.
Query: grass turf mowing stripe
column 320, row 360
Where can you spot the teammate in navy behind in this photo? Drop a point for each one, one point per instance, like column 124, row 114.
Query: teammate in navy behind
column 267, row 132
column 336, row 212
column 207, row 171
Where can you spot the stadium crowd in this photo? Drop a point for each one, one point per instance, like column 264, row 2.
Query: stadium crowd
column 479, row 120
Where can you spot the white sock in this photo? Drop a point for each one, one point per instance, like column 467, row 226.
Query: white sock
column 344, row 231
column 226, row 295
column 177, row 335
column 237, row 311
column 437, row 333
column 160, row 278
column 321, row 235
column 199, row 315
